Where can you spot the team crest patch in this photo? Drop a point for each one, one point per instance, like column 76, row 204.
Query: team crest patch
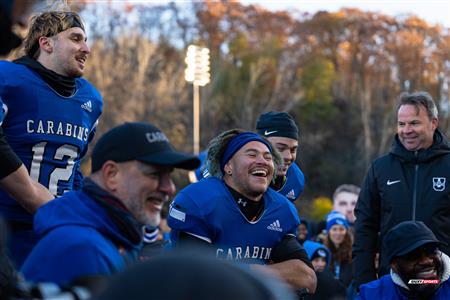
column 439, row 183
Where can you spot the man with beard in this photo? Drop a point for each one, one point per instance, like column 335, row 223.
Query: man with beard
column 419, row 270
column 234, row 212
column 50, row 116
column 97, row 230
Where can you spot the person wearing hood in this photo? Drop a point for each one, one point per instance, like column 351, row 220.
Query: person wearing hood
column 328, row 287
column 98, row 230
column 318, row 254
column 418, row 269
column 303, row 231
column 411, row 182
column 50, row 116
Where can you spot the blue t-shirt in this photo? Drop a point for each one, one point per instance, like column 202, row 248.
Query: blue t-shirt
column 207, row 210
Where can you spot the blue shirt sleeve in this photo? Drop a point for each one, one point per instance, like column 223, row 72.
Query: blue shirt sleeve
column 75, row 257
column 186, row 216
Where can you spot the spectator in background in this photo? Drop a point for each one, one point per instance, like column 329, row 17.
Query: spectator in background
column 419, row 270
column 50, row 114
column 303, row 231
column 280, row 129
column 318, row 254
column 344, row 201
column 409, row 183
column 235, row 213
column 98, row 229
column 339, row 241
column 328, row 287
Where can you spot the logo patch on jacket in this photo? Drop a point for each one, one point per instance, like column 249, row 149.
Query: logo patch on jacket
column 439, row 183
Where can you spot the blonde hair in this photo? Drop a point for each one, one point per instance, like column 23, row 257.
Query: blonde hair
column 49, row 24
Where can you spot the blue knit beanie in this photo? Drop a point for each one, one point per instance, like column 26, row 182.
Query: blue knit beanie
column 334, row 218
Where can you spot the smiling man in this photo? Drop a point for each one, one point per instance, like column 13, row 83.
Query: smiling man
column 97, row 230
column 411, row 182
column 280, row 129
column 50, row 116
column 234, row 212
column 419, row 270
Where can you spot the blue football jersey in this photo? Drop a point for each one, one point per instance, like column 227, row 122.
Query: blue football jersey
column 295, row 182
column 207, row 210
column 50, row 133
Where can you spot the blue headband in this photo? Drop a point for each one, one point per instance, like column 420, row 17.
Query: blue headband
column 238, row 142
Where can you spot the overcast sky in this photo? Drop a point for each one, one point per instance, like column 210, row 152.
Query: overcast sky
column 433, row 11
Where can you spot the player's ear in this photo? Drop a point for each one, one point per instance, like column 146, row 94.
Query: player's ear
column 228, row 169
column 46, row 44
column 111, row 175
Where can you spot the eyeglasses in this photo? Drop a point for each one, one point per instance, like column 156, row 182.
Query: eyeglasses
column 430, row 251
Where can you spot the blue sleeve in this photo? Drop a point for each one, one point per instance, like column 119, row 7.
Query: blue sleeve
column 78, row 178
column 186, row 216
column 301, row 180
column 295, row 183
column 64, row 263
column 296, row 218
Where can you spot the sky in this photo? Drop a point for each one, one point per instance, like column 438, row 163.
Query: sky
column 433, row 11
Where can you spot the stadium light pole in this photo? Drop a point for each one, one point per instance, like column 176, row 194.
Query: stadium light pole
column 197, row 72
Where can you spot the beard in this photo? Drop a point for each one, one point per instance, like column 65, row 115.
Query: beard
column 422, row 291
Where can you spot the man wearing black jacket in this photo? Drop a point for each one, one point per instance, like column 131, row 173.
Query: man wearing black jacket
column 408, row 183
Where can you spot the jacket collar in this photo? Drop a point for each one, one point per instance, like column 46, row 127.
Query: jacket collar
column 440, row 146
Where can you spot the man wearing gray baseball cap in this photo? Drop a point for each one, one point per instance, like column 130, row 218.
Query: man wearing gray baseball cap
column 97, row 230
column 419, row 270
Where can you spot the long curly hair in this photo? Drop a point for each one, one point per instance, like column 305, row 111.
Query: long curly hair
column 342, row 253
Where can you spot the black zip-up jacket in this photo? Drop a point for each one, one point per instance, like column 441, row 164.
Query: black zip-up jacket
column 401, row 185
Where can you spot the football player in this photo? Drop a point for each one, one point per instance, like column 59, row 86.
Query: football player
column 50, row 114
column 234, row 212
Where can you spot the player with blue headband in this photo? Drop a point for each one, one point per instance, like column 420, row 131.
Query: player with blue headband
column 235, row 213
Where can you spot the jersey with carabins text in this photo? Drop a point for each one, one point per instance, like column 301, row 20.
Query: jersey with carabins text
column 49, row 132
column 207, row 210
